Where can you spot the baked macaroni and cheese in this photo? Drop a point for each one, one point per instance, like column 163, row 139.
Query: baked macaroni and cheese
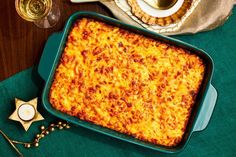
column 126, row 82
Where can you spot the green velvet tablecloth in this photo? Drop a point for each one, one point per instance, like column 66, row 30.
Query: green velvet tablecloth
column 217, row 140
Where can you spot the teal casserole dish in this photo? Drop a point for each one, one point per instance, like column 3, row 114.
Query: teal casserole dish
column 201, row 112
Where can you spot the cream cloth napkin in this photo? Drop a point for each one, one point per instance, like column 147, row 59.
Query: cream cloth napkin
column 208, row 15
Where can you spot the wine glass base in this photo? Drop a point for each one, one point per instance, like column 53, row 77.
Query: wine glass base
column 51, row 19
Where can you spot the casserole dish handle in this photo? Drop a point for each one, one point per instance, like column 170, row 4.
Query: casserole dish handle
column 206, row 110
column 49, row 55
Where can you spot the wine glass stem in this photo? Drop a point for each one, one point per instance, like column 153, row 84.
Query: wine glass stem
column 51, row 19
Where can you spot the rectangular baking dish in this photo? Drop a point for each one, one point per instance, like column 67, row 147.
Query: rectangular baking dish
column 201, row 112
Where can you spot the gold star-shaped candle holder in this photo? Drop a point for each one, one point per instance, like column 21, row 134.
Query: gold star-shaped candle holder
column 26, row 112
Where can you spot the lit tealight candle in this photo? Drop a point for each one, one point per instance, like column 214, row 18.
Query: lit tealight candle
column 26, row 112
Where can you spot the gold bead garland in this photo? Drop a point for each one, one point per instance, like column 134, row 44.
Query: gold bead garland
column 35, row 143
column 46, row 131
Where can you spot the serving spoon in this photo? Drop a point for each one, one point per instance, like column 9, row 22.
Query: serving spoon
column 161, row 4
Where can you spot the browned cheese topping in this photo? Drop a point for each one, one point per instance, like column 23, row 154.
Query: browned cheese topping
column 127, row 82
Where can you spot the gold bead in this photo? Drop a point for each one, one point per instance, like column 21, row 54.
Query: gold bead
column 59, row 123
column 64, row 125
column 42, row 135
column 27, row 145
column 42, row 127
column 37, row 136
column 36, row 144
column 67, row 126
column 46, row 132
column 51, row 129
column 52, row 125
column 60, row 127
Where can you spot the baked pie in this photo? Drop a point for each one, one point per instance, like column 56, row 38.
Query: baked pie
column 162, row 21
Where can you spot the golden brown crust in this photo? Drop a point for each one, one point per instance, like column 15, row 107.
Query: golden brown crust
column 126, row 82
column 162, row 21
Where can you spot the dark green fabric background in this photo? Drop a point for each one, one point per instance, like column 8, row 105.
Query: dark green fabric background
column 217, row 140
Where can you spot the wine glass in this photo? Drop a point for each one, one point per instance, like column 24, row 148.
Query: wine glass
column 44, row 13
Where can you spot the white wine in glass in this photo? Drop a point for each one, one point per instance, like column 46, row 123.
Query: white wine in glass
column 44, row 13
